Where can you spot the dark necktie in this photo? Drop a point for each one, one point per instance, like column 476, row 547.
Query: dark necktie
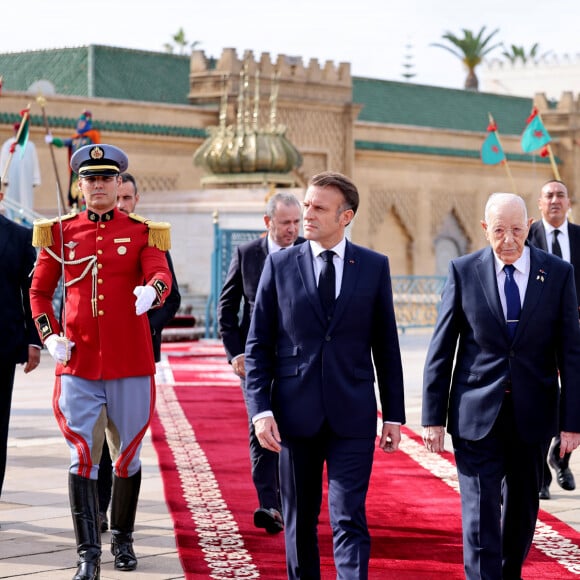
column 556, row 249
column 512, row 298
column 327, row 283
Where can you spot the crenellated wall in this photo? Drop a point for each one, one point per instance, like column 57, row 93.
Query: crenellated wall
column 314, row 102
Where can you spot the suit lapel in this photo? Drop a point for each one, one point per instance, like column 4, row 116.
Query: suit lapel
column 260, row 251
column 486, row 272
column 306, row 270
column 538, row 274
column 540, row 236
column 350, row 275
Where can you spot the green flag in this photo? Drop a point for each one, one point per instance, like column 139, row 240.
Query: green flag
column 22, row 134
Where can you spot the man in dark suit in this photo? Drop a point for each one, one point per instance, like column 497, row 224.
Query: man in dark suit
column 507, row 326
column 282, row 221
column 19, row 340
column 323, row 314
column 554, row 204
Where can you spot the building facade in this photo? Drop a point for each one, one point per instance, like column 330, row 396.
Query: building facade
column 414, row 151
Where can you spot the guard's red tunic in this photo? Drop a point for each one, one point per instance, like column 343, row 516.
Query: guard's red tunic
column 105, row 259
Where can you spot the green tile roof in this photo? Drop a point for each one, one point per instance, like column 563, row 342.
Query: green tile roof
column 101, row 71
column 437, row 107
column 443, row 151
column 158, row 77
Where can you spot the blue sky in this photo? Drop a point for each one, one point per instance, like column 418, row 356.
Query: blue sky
column 372, row 35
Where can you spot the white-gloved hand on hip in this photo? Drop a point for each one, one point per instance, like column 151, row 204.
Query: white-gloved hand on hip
column 145, row 297
column 59, row 348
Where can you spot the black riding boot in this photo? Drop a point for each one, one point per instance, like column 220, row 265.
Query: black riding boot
column 84, row 507
column 123, row 510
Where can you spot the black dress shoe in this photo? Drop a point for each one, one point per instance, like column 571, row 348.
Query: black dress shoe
column 270, row 519
column 564, row 476
column 545, row 492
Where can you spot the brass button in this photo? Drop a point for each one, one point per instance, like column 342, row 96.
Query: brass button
column 101, row 297
column 101, row 312
column 99, row 266
column 100, row 281
column 99, row 252
column 100, row 238
column 102, row 225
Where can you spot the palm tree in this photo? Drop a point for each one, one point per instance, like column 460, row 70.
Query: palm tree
column 470, row 49
column 180, row 41
column 519, row 52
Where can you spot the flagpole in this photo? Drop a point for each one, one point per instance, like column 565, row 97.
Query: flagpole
column 25, row 114
column 42, row 101
column 555, row 170
column 60, row 205
column 505, row 161
column 553, row 163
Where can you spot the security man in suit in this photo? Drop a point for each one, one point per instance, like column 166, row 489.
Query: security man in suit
column 323, row 314
column 19, row 341
column 115, row 270
column 555, row 234
column 282, row 221
column 506, row 332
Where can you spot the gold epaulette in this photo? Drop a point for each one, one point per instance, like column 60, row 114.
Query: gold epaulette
column 42, row 231
column 159, row 232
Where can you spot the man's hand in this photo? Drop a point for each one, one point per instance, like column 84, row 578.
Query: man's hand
column 145, row 297
column 48, row 139
column 434, row 438
column 390, row 437
column 268, row 434
column 33, row 359
column 568, row 442
column 238, row 366
column 59, row 348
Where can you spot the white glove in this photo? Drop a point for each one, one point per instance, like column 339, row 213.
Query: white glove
column 145, row 298
column 48, row 138
column 59, row 347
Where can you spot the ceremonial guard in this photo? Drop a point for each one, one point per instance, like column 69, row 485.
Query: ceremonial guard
column 105, row 369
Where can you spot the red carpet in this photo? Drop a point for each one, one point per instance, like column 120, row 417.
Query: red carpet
column 200, row 435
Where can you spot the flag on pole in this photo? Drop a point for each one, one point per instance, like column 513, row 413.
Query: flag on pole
column 535, row 134
column 491, row 150
column 22, row 133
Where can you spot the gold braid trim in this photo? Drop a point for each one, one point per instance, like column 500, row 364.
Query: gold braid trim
column 42, row 232
column 159, row 232
column 160, row 235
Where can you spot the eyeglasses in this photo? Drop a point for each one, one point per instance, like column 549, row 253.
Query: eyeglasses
column 516, row 232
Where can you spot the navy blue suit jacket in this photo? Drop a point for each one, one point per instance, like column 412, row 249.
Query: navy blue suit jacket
column 307, row 370
column 537, row 237
column 466, row 394
column 17, row 257
column 241, row 284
